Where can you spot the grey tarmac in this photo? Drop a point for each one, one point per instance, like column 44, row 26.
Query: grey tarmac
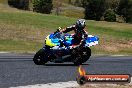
column 20, row 70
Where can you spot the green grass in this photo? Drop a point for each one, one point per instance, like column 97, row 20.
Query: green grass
column 67, row 9
column 3, row 1
column 33, row 19
column 111, row 32
column 23, row 31
column 63, row 4
column 18, row 45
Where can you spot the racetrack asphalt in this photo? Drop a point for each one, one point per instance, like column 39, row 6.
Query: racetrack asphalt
column 20, row 70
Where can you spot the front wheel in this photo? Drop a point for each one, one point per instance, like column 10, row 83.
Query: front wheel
column 40, row 57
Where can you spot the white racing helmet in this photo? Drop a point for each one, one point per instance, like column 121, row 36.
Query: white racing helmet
column 80, row 24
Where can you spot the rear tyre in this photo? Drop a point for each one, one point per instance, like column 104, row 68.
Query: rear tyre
column 40, row 57
column 76, row 57
column 80, row 56
column 86, row 54
column 77, row 60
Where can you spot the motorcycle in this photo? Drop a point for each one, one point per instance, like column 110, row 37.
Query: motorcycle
column 59, row 48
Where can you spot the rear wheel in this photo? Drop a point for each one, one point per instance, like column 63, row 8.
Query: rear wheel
column 78, row 60
column 82, row 55
column 86, row 54
column 76, row 57
column 40, row 57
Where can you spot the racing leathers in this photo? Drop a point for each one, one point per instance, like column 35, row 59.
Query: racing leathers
column 77, row 37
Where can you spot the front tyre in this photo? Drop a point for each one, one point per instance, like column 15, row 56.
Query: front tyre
column 40, row 58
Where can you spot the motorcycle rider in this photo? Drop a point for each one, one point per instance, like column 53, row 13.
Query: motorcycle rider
column 78, row 28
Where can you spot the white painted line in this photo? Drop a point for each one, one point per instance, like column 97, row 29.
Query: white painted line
column 68, row 84
column 4, row 52
column 119, row 55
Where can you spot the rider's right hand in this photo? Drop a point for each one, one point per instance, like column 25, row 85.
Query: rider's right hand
column 58, row 30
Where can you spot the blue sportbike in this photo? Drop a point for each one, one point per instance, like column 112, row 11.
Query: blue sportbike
column 59, row 48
